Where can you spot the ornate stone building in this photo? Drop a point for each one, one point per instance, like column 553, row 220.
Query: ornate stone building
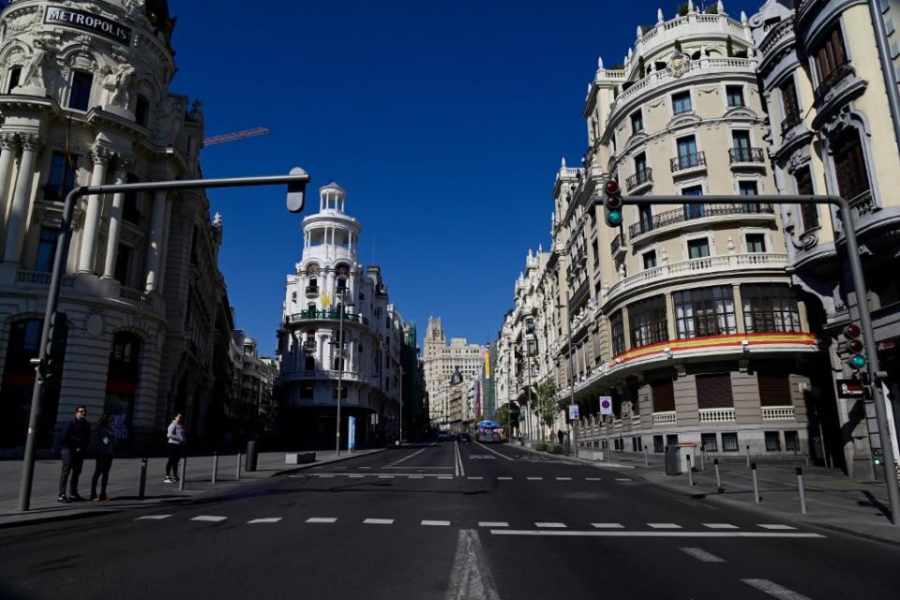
column 328, row 280
column 441, row 361
column 86, row 99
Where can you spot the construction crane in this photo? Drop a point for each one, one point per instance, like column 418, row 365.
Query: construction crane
column 235, row 136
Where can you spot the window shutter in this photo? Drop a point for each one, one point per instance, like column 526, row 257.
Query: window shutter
column 663, row 396
column 774, row 390
column 714, row 391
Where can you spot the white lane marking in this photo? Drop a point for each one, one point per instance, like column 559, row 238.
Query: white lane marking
column 719, row 526
column 702, row 555
column 209, row 518
column 773, row 589
column 664, row 526
column 777, row 526
column 324, row 475
column 493, row 524
column 407, row 457
column 549, row 525
column 564, row 479
column 534, row 478
column 474, row 477
column 356, row 475
column 416, row 476
column 504, row 478
column 388, row 476
column 445, row 476
column 428, row 523
column 361, row 468
column 657, row 534
column 593, row 479
column 607, row 525
column 622, row 479
column 153, row 517
column 470, row 575
column 491, row 450
column 322, row 520
column 378, row 522
column 264, row 520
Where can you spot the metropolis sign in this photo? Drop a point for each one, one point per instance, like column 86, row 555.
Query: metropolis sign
column 86, row 21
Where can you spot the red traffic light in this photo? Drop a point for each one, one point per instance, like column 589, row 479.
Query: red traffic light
column 852, row 331
column 855, row 345
column 612, row 187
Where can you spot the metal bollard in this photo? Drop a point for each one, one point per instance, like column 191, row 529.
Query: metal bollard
column 756, row 497
column 142, row 485
column 690, row 471
column 748, row 456
column 237, row 469
column 215, row 467
column 719, row 488
column 183, row 474
column 801, row 490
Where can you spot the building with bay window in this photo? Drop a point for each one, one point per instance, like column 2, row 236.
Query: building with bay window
column 85, row 99
column 331, row 293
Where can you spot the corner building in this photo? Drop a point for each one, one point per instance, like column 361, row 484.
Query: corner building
column 684, row 315
column 327, row 282
column 85, row 99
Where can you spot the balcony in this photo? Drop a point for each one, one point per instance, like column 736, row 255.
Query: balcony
column 312, row 292
column 616, row 245
column 790, row 121
column 717, row 415
column 641, row 179
column 691, row 160
column 326, row 315
column 665, row 418
column 697, row 267
column 833, row 78
column 777, row 413
column 680, row 215
column 746, row 155
column 39, row 278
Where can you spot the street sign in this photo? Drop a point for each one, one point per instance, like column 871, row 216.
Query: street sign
column 606, row 405
column 849, row 389
column 573, row 412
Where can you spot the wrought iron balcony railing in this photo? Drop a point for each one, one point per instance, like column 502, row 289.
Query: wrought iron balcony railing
column 688, row 161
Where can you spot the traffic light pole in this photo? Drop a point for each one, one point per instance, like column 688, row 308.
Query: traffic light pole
column 859, row 288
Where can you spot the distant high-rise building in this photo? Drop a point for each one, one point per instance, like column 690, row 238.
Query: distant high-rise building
column 442, row 360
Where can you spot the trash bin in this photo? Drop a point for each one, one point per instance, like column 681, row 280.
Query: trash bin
column 251, row 459
column 685, row 450
column 673, row 460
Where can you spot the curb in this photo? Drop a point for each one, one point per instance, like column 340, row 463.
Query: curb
column 321, row 464
column 39, row 520
column 574, row 459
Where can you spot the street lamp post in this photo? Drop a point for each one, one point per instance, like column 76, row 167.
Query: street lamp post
column 296, row 182
column 571, row 368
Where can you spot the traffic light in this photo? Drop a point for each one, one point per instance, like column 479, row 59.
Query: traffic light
column 613, row 203
column 852, row 334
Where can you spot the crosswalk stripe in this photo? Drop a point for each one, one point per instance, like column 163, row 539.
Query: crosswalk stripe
column 593, row 479
column 321, row 520
column 209, row 518
column 774, row 590
column 607, row 525
column 153, row 517
column 719, row 526
column 534, row 478
column 356, row 476
column 428, row 523
column 544, row 525
column 493, row 524
column 475, row 477
column 383, row 476
column 702, row 555
column 378, row 522
column 415, row 476
column 778, row 526
column 664, row 526
column 264, row 520
column 564, row 479
column 504, row 478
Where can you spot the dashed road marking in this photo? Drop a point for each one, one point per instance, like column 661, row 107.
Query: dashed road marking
column 153, row 517
column 416, row 476
column 264, row 520
column 322, row 520
column 428, row 523
column 474, row 477
column 719, row 526
column 607, row 525
column 365, row 468
column 564, row 479
column 702, row 555
column 773, row 589
column 493, row 524
column 356, row 476
column 504, row 478
column 378, row 522
column 445, row 476
column 664, row 525
column 658, row 534
column 209, row 518
column 383, row 476
column 324, row 475
column 550, row 525
column 776, row 526
column 534, row 478
column 593, row 479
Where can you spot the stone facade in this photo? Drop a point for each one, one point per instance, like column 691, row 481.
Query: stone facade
column 85, row 99
column 441, row 361
column 330, row 289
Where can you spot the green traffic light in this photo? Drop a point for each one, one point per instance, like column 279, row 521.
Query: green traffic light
column 614, row 218
column 857, row 361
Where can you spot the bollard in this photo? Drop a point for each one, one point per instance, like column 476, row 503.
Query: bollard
column 719, row 488
column 215, row 467
column 142, row 485
column 237, row 469
column 183, row 473
column 690, row 471
column 801, row 490
column 748, row 456
column 756, row 497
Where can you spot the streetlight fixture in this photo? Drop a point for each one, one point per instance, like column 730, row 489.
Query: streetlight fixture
column 342, row 293
column 296, row 182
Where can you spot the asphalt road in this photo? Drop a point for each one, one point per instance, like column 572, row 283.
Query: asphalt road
column 445, row 522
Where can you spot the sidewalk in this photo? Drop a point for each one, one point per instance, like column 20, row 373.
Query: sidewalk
column 124, row 480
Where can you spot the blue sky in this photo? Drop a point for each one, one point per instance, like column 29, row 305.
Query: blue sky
column 444, row 120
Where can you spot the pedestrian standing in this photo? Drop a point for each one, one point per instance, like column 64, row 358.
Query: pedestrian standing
column 104, row 449
column 175, row 444
column 73, row 446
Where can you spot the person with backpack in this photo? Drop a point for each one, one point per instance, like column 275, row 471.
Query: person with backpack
column 175, row 443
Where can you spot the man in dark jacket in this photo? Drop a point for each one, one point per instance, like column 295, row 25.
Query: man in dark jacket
column 73, row 446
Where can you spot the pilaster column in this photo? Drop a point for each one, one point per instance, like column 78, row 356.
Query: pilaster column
column 15, row 229
column 154, row 249
column 100, row 158
column 115, row 225
column 10, row 147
